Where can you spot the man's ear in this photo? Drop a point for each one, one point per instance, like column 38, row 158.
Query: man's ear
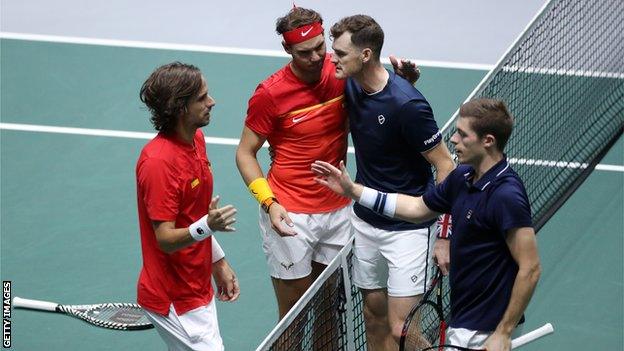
column 489, row 141
column 367, row 55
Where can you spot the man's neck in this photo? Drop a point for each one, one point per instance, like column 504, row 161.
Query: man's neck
column 185, row 133
column 373, row 77
column 486, row 164
column 305, row 76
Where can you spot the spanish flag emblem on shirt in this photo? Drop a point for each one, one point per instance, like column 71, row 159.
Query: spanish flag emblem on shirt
column 194, row 183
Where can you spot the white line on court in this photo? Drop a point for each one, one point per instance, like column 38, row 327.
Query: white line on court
column 563, row 72
column 233, row 141
column 206, row 48
column 101, row 132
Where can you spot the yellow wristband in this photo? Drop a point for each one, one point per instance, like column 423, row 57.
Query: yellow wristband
column 260, row 189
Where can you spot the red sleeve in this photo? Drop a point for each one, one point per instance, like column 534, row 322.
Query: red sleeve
column 261, row 112
column 159, row 186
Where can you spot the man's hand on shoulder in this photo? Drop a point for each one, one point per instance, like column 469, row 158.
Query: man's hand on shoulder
column 405, row 68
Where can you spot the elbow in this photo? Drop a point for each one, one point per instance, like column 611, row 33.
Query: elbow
column 532, row 273
column 537, row 272
column 242, row 155
column 166, row 246
column 238, row 156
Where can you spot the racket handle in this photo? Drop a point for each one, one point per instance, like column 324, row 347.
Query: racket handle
column 34, row 304
column 533, row 335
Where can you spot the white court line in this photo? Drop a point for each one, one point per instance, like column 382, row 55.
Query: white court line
column 563, row 72
column 102, row 132
column 206, row 48
column 233, row 141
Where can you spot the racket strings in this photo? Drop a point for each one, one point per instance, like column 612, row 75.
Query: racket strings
column 429, row 320
column 120, row 314
column 424, row 330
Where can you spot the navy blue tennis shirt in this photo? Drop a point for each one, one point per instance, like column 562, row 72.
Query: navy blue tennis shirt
column 390, row 129
column 482, row 271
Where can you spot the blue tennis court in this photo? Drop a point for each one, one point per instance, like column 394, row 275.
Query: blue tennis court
column 68, row 208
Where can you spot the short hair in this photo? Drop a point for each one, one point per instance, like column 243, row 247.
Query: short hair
column 365, row 32
column 489, row 116
column 295, row 18
column 167, row 92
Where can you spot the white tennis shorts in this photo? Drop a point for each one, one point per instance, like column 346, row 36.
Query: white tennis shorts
column 396, row 260
column 319, row 238
column 195, row 330
column 472, row 338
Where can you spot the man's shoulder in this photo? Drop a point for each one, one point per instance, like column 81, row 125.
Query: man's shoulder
column 160, row 148
column 459, row 174
column 406, row 95
column 464, row 170
column 278, row 79
column 158, row 142
column 508, row 185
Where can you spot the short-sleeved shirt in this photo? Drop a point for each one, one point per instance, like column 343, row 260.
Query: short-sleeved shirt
column 302, row 123
column 390, row 130
column 174, row 183
column 482, row 271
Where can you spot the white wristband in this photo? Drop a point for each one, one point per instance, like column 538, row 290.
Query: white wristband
column 382, row 203
column 217, row 251
column 200, row 229
column 368, row 197
column 390, row 207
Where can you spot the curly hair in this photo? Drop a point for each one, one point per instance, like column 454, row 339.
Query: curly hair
column 167, row 91
column 296, row 18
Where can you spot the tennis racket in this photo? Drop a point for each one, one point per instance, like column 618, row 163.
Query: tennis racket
column 119, row 316
column 425, row 324
column 515, row 343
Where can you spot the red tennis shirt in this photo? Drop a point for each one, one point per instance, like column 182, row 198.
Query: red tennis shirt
column 302, row 123
column 174, row 183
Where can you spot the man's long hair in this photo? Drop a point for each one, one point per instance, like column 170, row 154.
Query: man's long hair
column 167, row 92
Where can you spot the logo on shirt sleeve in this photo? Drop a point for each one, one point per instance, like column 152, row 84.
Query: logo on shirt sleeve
column 381, row 119
column 433, row 138
column 194, row 183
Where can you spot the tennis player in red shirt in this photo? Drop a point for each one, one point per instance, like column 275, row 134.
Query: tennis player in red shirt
column 177, row 215
column 300, row 111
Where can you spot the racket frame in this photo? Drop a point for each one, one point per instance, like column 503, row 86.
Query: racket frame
column 437, row 286
column 82, row 312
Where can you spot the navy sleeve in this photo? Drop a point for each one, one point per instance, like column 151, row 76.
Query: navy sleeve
column 418, row 126
column 511, row 207
column 440, row 198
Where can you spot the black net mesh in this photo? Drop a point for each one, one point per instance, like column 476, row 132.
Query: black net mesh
column 359, row 333
column 564, row 83
column 321, row 323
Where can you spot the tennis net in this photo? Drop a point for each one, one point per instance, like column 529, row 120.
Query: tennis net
column 331, row 305
column 563, row 80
